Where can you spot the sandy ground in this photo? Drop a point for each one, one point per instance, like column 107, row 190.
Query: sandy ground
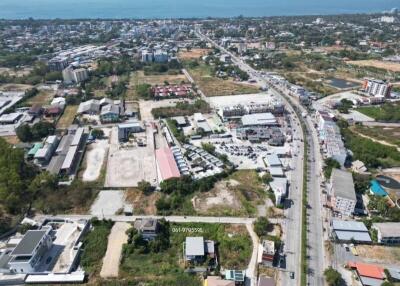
column 94, row 158
column 222, row 196
column 112, row 258
column 108, row 203
column 391, row 66
column 379, row 254
column 126, row 167
column 192, row 54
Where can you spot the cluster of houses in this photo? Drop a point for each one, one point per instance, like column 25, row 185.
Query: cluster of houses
column 109, row 110
column 172, row 91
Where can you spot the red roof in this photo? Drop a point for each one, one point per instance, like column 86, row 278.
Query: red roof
column 166, row 164
column 368, row 270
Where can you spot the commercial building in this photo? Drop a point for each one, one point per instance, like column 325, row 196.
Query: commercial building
column 368, row 274
column 28, row 254
column 201, row 123
column 75, row 152
column 342, row 195
column 377, row 88
column 166, row 164
column 279, row 186
column 259, row 119
column 346, row 231
column 388, row 232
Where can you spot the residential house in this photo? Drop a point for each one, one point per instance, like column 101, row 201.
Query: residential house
column 148, row 228
column 28, row 254
column 110, row 113
column 268, row 252
column 197, row 249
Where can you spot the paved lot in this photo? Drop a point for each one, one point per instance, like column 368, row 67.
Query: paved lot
column 128, row 166
column 230, row 100
column 94, row 158
column 108, row 203
column 112, row 257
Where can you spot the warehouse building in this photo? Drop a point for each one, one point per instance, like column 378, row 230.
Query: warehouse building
column 166, row 164
column 342, row 195
column 346, row 231
column 388, row 232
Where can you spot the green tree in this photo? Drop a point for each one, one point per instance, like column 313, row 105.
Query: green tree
column 333, row 277
column 145, row 187
column 24, row 133
column 261, row 226
column 97, row 133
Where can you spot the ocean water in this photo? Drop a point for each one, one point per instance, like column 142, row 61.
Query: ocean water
column 141, row 9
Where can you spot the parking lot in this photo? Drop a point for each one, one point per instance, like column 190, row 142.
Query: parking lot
column 128, row 165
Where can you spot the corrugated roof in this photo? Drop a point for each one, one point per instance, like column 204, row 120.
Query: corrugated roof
column 69, row 158
column 78, row 136
column 166, row 164
column 388, row 229
column 343, row 185
column 368, row 270
column 273, row 160
column 194, row 246
column 348, row 225
column 258, row 119
column 353, row 235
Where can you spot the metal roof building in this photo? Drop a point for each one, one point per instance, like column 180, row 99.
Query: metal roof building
column 166, row 164
column 259, row 119
column 273, row 160
column 194, row 246
column 388, row 232
column 350, row 230
column 343, row 184
column 30, row 241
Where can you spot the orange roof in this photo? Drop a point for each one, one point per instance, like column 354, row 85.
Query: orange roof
column 368, row 270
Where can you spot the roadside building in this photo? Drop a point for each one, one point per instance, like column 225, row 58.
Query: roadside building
column 273, row 160
column 279, row 186
column 238, row 276
column 36, row 147
column 147, row 227
column 368, row 274
column 28, row 254
column 268, row 252
column 259, row 119
column 388, row 232
column 44, row 154
column 342, row 195
column 346, row 231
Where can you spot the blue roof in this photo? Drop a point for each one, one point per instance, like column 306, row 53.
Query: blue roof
column 377, row 189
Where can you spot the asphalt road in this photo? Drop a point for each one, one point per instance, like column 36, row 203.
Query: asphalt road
column 315, row 247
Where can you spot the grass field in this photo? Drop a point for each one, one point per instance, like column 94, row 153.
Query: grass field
column 390, row 66
column 167, row 268
column 68, row 117
column 388, row 134
column 212, row 86
column 44, row 97
column 387, row 112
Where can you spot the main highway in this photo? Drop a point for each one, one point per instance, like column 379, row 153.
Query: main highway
column 316, row 260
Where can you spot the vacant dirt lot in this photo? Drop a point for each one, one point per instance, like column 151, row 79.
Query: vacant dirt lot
column 143, row 204
column 192, row 54
column 94, row 158
column 379, row 254
column 395, row 67
column 222, row 196
column 42, row 98
column 15, row 87
column 127, row 166
column 116, row 240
